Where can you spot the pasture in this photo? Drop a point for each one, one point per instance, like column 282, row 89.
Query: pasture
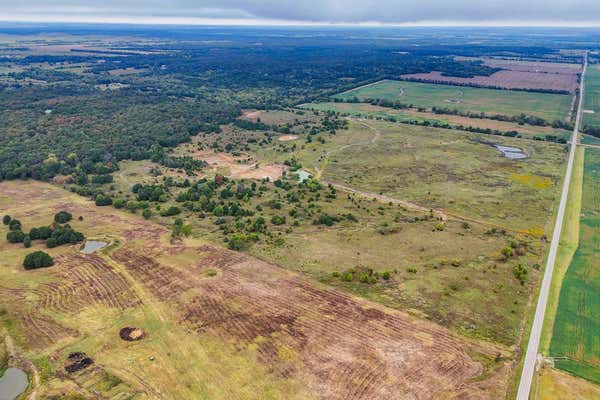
column 365, row 110
column 216, row 324
column 591, row 104
column 549, row 107
column 454, row 171
column 575, row 333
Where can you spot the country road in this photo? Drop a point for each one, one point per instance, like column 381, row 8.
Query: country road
column 531, row 355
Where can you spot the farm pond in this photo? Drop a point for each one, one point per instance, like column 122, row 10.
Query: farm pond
column 91, row 246
column 511, row 152
column 13, row 383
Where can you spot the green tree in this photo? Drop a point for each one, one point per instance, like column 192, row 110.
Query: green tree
column 62, row 217
column 6, row 219
column 15, row 237
column 37, row 259
column 27, row 241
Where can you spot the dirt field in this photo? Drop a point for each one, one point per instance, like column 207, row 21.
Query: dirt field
column 510, row 79
column 253, row 330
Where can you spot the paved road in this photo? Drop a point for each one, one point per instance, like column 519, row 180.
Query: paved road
column 538, row 321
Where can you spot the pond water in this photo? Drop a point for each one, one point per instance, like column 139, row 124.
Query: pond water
column 90, row 247
column 303, row 175
column 12, row 384
column 511, row 152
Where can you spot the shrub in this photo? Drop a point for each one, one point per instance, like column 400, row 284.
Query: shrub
column 14, row 225
column 520, row 272
column 277, row 220
column 41, row 233
column 15, row 237
column 62, row 217
column 103, row 200
column 37, row 259
column 348, row 277
column 169, row 212
column 6, row 219
column 238, row 241
column 147, row 214
column 386, row 276
column 119, row 203
column 412, row 270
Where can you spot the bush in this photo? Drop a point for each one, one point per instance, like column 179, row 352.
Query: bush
column 169, row 212
column 37, row 259
column 146, row 214
column 62, row 217
column 41, row 233
column 119, row 203
column 15, row 237
column 386, row 276
column 238, row 241
column 27, row 241
column 277, row 220
column 103, row 200
column 14, row 225
column 64, row 235
column 6, row 219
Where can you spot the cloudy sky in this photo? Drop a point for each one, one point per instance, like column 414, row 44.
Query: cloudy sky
column 427, row 12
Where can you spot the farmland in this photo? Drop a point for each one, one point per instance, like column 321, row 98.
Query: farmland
column 515, row 74
column 575, row 327
column 252, row 328
column 366, row 110
column 591, row 103
column 489, row 101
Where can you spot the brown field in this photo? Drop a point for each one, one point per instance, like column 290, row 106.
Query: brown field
column 509, row 79
column 287, row 138
column 251, row 115
column 242, row 167
column 247, row 330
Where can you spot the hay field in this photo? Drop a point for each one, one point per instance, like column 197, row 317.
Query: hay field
column 489, row 101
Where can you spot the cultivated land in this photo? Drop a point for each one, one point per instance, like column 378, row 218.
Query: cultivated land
column 515, row 74
column 592, row 97
column 575, row 333
column 217, row 324
column 366, row 110
column 543, row 105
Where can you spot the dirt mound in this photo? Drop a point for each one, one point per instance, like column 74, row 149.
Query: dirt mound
column 131, row 334
column 77, row 361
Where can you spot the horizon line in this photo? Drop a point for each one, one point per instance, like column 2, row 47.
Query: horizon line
column 193, row 21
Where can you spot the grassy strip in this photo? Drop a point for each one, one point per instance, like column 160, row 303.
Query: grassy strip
column 567, row 247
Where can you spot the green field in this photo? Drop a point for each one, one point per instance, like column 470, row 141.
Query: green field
column 365, row 110
column 452, row 171
column 490, row 101
column 592, row 96
column 576, row 327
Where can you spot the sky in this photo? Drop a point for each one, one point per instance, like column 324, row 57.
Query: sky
column 308, row 12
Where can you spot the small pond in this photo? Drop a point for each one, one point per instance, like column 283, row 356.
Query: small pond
column 12, row 384
column 511, row 152
column 90, row 247
column 303, row 175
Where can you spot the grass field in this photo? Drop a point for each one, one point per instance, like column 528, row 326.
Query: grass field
column 558, row 385
column 568, row 245
column 592, row 96
column 218, row 324
column 448, row 170
column 576, row 325
column 547, row 106
column 366, row 110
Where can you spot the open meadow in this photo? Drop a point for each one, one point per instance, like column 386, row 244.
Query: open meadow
column 489, row 101
column 460, row 173
column 366, row 110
